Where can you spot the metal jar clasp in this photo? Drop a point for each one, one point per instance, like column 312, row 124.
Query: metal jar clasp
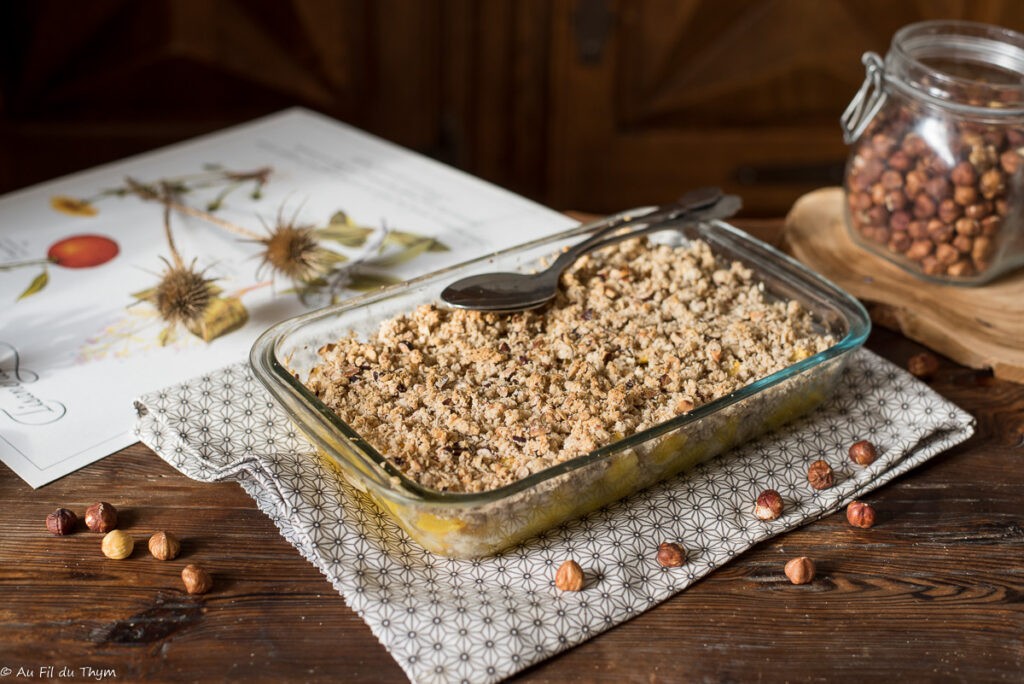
column 868, row 100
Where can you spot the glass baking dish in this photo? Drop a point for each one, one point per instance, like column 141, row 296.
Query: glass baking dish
column 469, row 525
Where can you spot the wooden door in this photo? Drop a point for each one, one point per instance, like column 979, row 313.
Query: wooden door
column 745, row 94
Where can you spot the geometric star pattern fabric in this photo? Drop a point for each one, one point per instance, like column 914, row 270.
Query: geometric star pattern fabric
column 449, row 620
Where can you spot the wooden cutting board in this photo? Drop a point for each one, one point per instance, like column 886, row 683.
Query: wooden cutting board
column 980, row 327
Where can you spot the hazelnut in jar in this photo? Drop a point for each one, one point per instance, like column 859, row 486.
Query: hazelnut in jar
column 935, row 177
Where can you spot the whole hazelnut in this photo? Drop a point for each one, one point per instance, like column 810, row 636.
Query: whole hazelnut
column 923, row 365
column 860, row 514
column 938, row 187
column 117, row 544
column 569, row 576
column 939, row 231
column 924, row 206
column 820, row 475
column 800, row 570
column 900, row 242
column 101, row 517
column 61, row 522
column 899, row 160
column 990, row 225
column 891, row 179
column 164, row 546
column 1010, row 161
column 978, row 211
column 982, row 249
column 960, row 269
column 919, row 249
column 991, row 183
column 196, row 580
column 863, row 452
column 963, row 174
column 946, row 254
column 967, row 226
column 963, row 244
column 931, row 266
column 965, row 195
column 768, row 505
column 914, row 183
column 948, row 211
column 671, row 555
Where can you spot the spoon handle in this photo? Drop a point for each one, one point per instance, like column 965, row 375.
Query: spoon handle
column 722, row 209
column 694, row 200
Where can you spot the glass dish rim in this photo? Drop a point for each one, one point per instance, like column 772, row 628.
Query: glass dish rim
column 276, row 377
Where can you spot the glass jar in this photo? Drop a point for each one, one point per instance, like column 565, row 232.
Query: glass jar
column 935, row 177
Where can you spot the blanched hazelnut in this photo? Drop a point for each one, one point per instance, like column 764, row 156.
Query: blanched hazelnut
column 117, row 544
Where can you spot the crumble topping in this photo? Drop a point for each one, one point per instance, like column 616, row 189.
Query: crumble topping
column 464, row 401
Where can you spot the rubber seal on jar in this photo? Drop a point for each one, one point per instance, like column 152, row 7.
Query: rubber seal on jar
column 868, row 100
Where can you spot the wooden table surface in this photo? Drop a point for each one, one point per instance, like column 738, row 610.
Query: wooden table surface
column 935, row 591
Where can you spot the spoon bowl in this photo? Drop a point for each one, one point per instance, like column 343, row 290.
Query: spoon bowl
column 506, row 292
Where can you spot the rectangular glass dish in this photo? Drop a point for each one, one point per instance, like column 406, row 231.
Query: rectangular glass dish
column 469, row 525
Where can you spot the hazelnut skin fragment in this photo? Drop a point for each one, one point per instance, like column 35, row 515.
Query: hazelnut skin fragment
column 800, row 570
column 863, row 452
column 569, row 576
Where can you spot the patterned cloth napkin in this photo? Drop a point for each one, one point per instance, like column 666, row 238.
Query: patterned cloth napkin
column 453, row 620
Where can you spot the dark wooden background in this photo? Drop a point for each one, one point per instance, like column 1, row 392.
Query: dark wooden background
column 581, row 104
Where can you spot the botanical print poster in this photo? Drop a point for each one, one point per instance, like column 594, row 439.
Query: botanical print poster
column 143, row 273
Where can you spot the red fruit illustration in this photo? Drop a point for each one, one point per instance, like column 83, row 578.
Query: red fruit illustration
column 82, row 251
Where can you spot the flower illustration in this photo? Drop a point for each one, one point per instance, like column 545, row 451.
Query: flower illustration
column 73, row 206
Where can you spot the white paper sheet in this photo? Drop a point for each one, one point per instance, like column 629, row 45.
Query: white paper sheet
column 75, row 353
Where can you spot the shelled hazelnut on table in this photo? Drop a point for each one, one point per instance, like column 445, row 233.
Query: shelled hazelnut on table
column 101, row 517
column 61, row 522
column 860, row 514
column 800, row 570
column 923, row 365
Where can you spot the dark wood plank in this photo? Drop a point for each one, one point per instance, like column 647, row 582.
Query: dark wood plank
column 933, row 592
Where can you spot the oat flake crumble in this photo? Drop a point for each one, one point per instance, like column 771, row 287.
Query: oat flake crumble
column 464, row 401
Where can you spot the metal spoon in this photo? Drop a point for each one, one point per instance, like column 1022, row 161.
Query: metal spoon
column 508, row 292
